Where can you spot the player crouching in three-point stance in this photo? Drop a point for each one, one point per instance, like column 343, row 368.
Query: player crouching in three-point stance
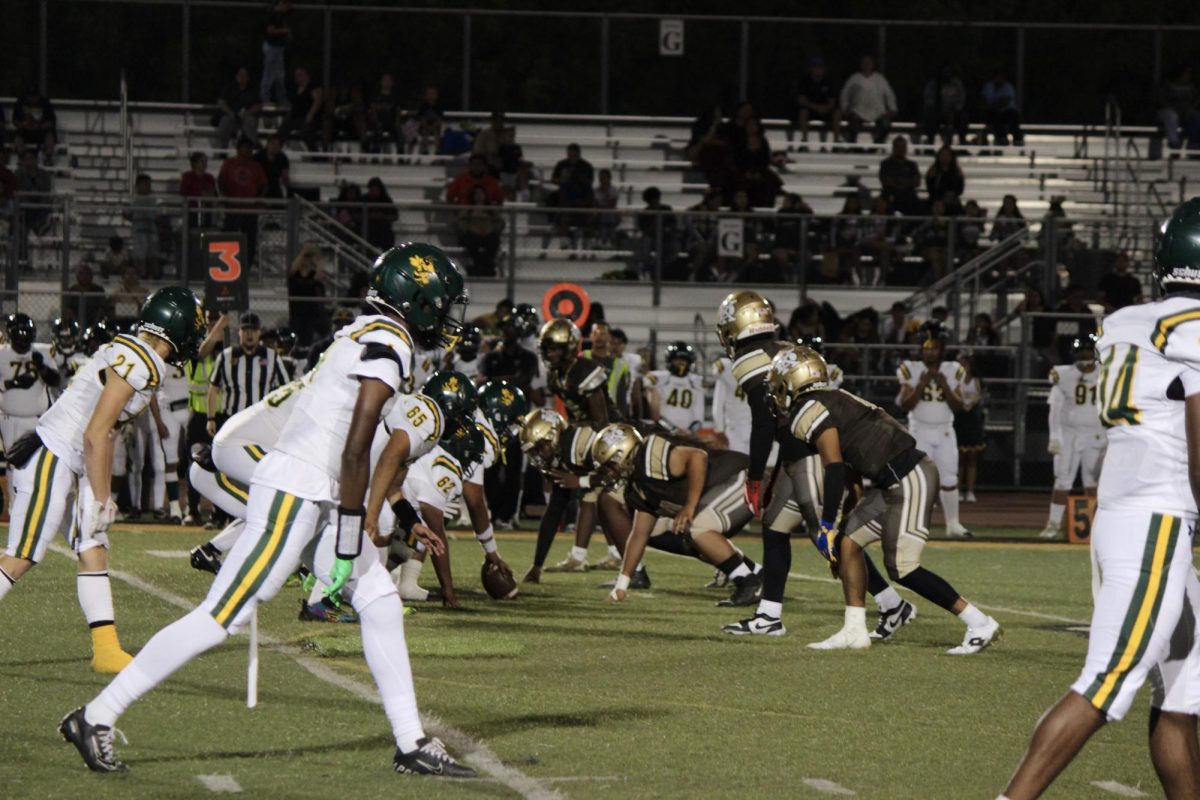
column 1144, row 623
column 319, row 468
column 852, row 434
column 73, row 443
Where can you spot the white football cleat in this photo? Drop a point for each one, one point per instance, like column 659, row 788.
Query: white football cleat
column 1050, row 531
column 845, row 639
column 970, row 498
column 977, row 639
column 958, row 531
column 569, row 564
column 758, row 625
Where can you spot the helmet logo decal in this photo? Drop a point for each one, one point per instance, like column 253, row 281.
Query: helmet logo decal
column 423, row 271
column 452, row 384
column 726, row 313
column 785, row 362
column 507, row 397
column 613, row 437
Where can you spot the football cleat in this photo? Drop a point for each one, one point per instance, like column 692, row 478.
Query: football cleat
column 719, row 580
column 845, row 639
column 977, row 639
column 640, row 579
column 94, row 742
column 758, row 625
column 608, row 563
column 206, row 558
column 958, row 531
column 970, row 498
column 747, row 591
column 1050, row 532
column 326, row 611
column 893, row 620
column 430, row 758
column 569, row 564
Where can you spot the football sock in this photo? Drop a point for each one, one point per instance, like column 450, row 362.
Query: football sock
column 876, row 583
column 888, row 599
column 856, row 617
column 770, row 608
column 749, row 562
column 227, row 538
column 672, row 543
column 95, row 597
column 613, row 552
column 409, row 572
column 777, row 560
column 931, row 586
column 578, row 553
column 730, row 564
column 167, row 651
column 173, row 488
column 949, row 498
column 556, row 507
column 382, row 623
column 6, row 583
column 972, row 617
column 175, row 510
column 1056, row 514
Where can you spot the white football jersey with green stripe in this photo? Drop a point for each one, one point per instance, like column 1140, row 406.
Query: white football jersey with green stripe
column 1149, row 361
column 419, row 417
column 435, row 480
column 680, row 398
column 491, row 449
column 61, row 427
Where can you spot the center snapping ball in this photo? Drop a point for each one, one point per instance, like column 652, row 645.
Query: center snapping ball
column 497, row 581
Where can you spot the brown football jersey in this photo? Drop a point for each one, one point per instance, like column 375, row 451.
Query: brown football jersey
column 581, row 380
column 653, row 489
column 870, row 439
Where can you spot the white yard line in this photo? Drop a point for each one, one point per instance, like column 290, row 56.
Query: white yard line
column 1120, row 789
column 474, row 751
column 168, row 553
column 828, row 787
column 220, row 783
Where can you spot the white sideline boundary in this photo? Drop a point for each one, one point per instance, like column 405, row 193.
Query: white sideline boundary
column 474, row 751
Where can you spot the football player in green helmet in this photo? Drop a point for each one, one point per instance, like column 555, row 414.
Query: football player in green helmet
column 421, row 285
column 455, row 395
column 503, row 404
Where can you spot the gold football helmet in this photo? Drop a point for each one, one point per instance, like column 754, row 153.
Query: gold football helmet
column 741, row 315
column 795, row 370
column 560, row 331
column 614, row 447
column 538, row 427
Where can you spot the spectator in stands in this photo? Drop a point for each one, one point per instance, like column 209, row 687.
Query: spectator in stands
column 381, row 215
column 198, row 186
column 32, row 179
column 238, row 109
column 969, row 231
column 460, row 190
column 487, row 143
column 384, row 115
column 605, row 195
column 574, row 177
column 789, row 232
column 944, row 179
column 878, row 244
column 656, row 225
column 1067, row 330
column 348, row 209
column 1119, row 288
column 242, row 181
column 701, row 239
column 511, row 158
column 429, row 121
column 845, row 236
column 85, row 300
column 867, row 99
column 944, row 111
column 900, row 178
column 710, row 148
column 8, row 185
column 1177, row 108
column 1008, row 219
column 528, row 186
column 860, row 329
column 129, row 295
column 744, row 268
column 306, row 290
column 898, row 329
column 1000, row 113
column 479, row 227
column 143, row 220
column 751, row 150
column 35, row 124
column 276, row 167
column 1042, row 333
column 115, row 259
column 276, row 33
column 305, row 115
column 818, row 100
column 987, row 363
column 805, row 321
column 345, row 117
column 932, row 239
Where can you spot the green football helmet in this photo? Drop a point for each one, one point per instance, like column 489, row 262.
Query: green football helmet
column 1177, row 252
column 454, row 394
column 525, row 320
column 503, row 404
column 421, row 285
column 175, row 315
column 465, row 445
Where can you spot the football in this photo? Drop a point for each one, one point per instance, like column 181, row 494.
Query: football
column 497, row 581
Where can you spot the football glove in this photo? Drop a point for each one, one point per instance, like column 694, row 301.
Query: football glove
column 754, row 497
column 826, row 536
column 1054, row 447
column 97, row 518
column 338, row 575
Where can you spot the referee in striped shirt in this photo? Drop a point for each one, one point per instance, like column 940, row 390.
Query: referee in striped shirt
column 245, row 373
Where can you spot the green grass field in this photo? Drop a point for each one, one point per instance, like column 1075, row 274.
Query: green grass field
column 572, row 696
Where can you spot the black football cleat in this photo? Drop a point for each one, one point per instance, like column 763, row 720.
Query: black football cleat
column 747, row 591
column 94, row 742
column 430, row 758
column 206, row 558
column 640, row 579
column 893, row 620
column 758, row 625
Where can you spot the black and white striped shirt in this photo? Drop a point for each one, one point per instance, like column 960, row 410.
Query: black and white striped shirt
column 246, row 378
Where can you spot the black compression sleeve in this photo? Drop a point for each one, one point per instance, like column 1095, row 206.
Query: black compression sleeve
column 835, row 485
column 556, row 509
column 762, row 430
